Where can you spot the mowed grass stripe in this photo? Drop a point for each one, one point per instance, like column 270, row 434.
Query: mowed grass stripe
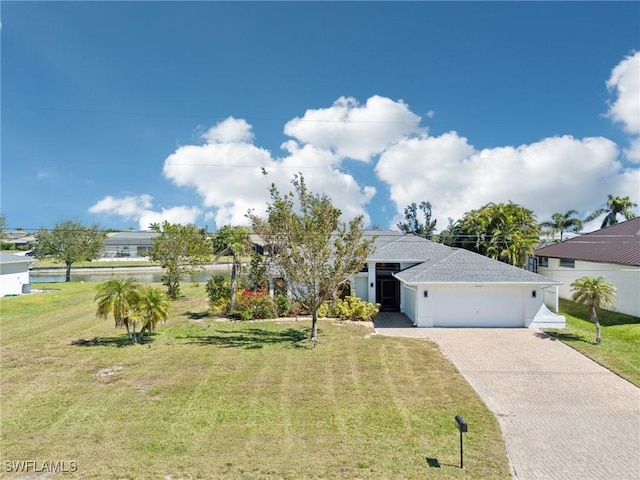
column 228, row 400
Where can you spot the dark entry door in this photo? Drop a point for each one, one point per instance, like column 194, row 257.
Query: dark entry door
column 388, row 294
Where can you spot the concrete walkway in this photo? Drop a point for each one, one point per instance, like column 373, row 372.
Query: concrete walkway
column 562, row 415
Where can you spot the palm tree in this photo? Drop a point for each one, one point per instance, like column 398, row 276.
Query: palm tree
column 118, row 297
column 563, row 222
column 615, row 206
column 234, row 241
column 594, row 292
column 153, row 306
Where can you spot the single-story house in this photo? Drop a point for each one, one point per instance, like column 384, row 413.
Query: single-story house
column 612, row 252
column 14, row 274
column 124, row 245
column 440, row 286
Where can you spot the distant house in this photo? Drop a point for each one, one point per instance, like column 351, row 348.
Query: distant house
column 128, row 245
column 612, row 252
column 14, row 274
column 440, row 286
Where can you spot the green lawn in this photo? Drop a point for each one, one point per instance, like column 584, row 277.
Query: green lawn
column 228, row 400
column 620, row 347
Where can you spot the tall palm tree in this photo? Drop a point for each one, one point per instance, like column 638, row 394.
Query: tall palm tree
column 153, row 306
column 234, row 241
column 615, row 206
column 594, row 292
column 563, row 222
column 119, row 298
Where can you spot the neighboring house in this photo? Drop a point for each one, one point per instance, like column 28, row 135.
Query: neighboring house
column 14, row 274
column 440, row 286
column 20, row 239
column 612, row 252
column 124, row 245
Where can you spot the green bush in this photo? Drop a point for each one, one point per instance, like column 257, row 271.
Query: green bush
column 219, row 292
column 349, row 308
column 283, row 305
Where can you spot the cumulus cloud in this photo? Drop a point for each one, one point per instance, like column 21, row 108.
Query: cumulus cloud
column 139, row 208
column 554, row 174
column 353, row 130
column 625, row 83
column 227, row 173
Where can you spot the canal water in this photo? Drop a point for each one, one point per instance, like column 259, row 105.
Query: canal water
column 142, row 275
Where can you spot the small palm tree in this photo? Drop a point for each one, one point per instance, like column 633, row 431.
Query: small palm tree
column 153, row 306
column 594, row 292
column 119, row 298
column 563, row 222
column 615, row 206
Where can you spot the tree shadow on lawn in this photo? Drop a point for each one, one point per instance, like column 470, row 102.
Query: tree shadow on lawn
column 117, row 341
column 196, row 315
column 254, row 338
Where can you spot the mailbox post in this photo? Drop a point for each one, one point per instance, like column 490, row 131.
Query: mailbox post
column 463, row 428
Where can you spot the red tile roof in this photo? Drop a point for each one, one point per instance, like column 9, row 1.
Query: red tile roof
column 618, row 243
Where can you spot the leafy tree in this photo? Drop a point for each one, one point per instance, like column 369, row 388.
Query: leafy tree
column 594, row 292
column 311, row 248
column 119, row 298
column 181, row 251
column 70, row 242
column 505, row 231
column 413, row 225
column 563, row 222
column 615, row 206
column 234, row 241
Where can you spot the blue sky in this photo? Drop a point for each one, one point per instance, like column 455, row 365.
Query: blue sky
column 128, row 113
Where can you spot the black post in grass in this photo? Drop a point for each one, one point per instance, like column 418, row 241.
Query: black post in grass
column 463, row 428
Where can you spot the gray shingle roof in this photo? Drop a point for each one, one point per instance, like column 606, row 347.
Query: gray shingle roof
column 10, row 258
column 618, row 243
column 439, row 263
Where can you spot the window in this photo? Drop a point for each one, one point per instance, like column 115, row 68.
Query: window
column 568, row 262
column 543, row 261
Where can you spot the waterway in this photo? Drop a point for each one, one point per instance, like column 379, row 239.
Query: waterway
column 100, row 274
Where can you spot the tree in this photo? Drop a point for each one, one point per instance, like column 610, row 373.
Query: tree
column 70, row 242
column 563, row 222
column 153, row 306
column 181, row 251
column 615, row 206
column 594, row 292
column 118, row 297
column 233, row 241
column 413, row 225
column 505, row 231
column 310, row 247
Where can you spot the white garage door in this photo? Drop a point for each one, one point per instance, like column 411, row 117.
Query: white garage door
column 478, row 307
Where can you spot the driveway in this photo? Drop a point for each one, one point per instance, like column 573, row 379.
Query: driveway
column 562, row 415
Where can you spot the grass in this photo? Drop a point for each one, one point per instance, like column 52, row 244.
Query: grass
column 213, row 399
column 620, row 347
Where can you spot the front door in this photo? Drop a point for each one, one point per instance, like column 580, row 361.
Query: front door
column 388, row 294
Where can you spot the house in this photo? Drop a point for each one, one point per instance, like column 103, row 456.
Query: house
column 128, row 245
column 440, row 286
column 14, row 274
column 612, row 252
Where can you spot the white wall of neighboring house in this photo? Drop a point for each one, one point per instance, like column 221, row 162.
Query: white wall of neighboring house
column 626, row 279
column 12, row 277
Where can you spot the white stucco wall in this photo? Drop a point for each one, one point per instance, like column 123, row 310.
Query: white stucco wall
column 12, row 277
column 361, row 287
column 625, row 278
column 408, row 303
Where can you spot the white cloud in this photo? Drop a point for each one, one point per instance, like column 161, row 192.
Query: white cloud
column 625, row 82
column 353, row 130
column 138, row 208
column 228, row 175
column 554, row 174
column 229, row 131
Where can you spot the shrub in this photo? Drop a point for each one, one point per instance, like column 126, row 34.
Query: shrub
column 283, row 305
column 219, row 292
column 251, row 305
column 349, row 308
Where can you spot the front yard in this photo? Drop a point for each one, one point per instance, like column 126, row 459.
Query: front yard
column 215, row 399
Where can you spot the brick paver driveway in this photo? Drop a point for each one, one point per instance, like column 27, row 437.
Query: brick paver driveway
column 562, row 415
